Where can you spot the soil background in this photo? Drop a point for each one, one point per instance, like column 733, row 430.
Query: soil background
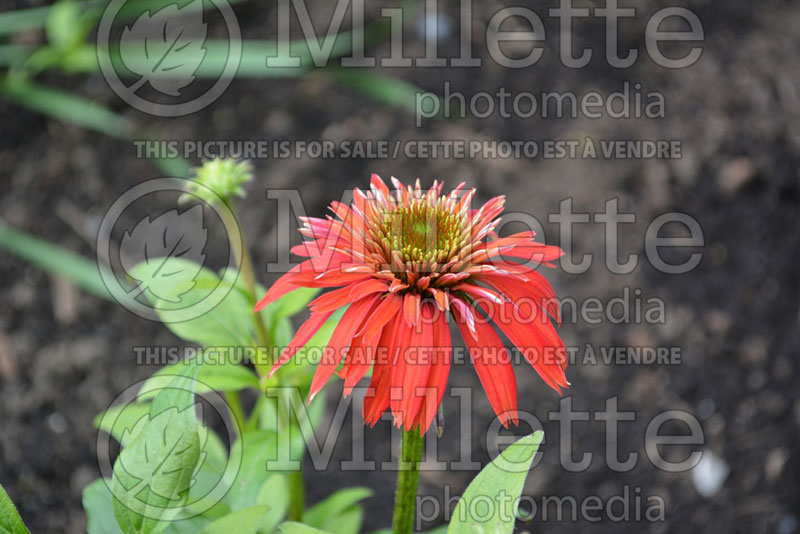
column 65, row 355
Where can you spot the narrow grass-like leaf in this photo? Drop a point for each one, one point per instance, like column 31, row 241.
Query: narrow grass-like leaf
column 67, row 107
column 253, row 62
column 81, row 271
column 14, row 54
column 23, row 19
column 36, row 17
column 384, row 89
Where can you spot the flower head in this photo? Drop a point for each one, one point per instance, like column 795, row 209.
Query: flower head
column 403, row 262
column 218, row 179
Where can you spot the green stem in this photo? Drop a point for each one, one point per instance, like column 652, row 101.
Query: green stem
column 405, row 498
column 237, row 412
column 246, row 271
column 297, row 496
column 297, row 491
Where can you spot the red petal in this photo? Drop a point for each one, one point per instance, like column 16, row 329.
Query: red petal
column 389, row 307
column 304, row 333
column 441, row 298
column 404, row 335
column 411, row 370
column 462, row 307
column 538, row 342
column 358, row 361
column 536, row 288
column 492, row 363
column 331, row 301
column 376, row 400
column 367, row 287
column 437, row 377
column 302, row 275
column 340, row 340
column 411, row 308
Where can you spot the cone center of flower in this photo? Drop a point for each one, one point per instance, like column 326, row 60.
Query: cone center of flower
column 422, row 232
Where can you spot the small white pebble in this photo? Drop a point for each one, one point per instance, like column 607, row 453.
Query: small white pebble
column 57, row 423
column 709, row 475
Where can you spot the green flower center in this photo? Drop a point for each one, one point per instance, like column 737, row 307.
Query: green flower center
column 422, row 233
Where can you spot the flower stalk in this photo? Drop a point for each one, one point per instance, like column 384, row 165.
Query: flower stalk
column 405, row 498
column 246, row 271
column 297, row 496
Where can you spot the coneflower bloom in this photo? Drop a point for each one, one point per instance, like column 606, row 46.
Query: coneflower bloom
column 404, row 261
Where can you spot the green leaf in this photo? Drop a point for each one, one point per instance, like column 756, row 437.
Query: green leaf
column 384, row 89
column 27, row 19
column 66, row 107
column 290, row 527
column 253, row 62
column 133, row 8
column 158, row 253
column 216, row 453
column 177, row 288
column 299, row 370
column 23, row 19
column 83, row 272
column 244, row 521
column 63, row 25
column 14, row 54
column 283, row 308
column 493, row 495
column 282, row 332
column 441, row 529
column 255, row 448
column 97, row 502
column 275, row 493
column 192, row 525
column 276, row 315
column 10, row 521
column 120, row 421
column 348, row 522
column 215, row 375
column 152, row 475
column 324, row 514
column 293, row 302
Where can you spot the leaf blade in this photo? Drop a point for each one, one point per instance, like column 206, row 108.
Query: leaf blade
column 10, row 521
column 54, row 259
column 505, row 474
column 152, row 475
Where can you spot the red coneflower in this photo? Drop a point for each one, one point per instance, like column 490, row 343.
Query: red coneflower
column 405, row 262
